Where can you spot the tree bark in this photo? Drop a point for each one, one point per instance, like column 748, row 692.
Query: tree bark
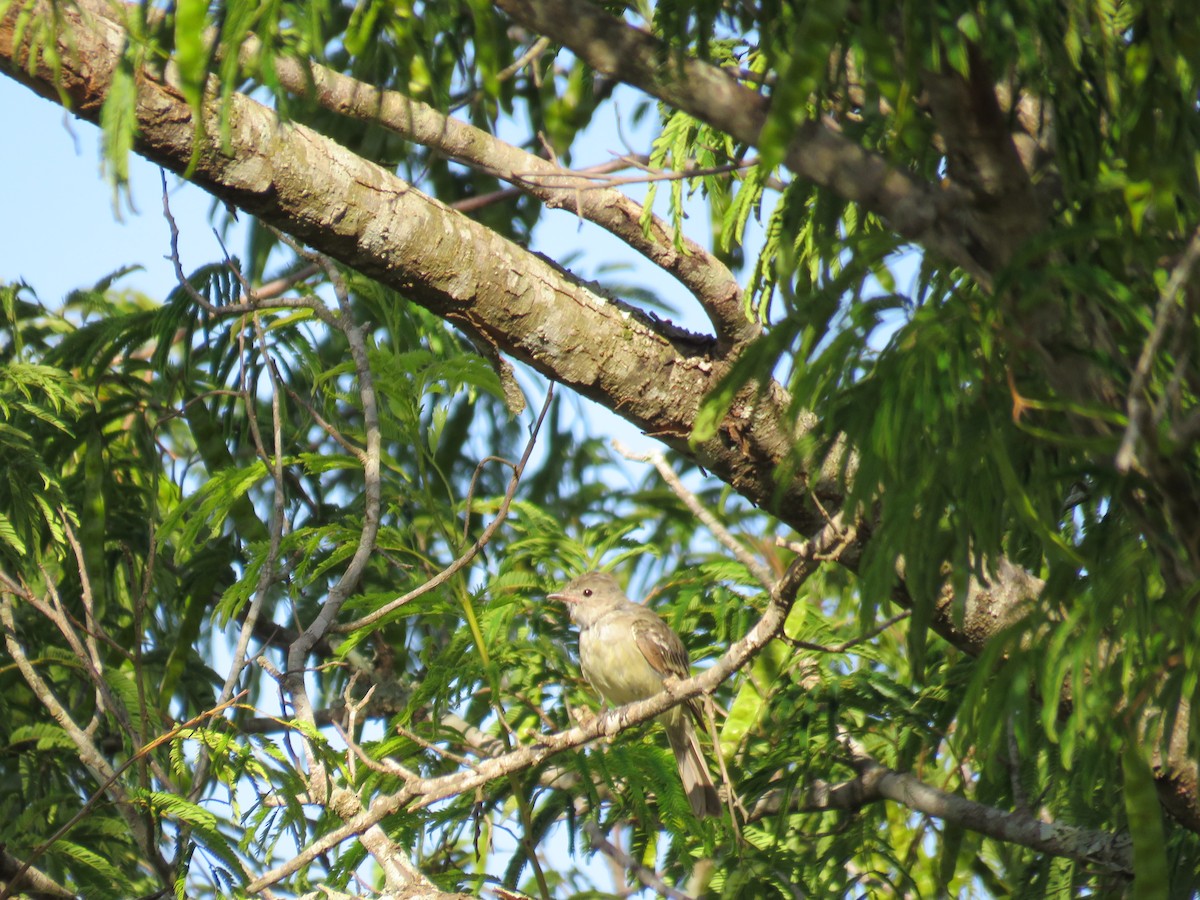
column 651, row 372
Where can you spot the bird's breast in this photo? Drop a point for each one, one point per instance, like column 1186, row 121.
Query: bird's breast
column 614, row 666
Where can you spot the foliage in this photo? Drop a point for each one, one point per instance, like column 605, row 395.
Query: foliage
column 193, row 480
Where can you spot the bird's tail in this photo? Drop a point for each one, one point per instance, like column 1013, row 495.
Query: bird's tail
column 693, row 770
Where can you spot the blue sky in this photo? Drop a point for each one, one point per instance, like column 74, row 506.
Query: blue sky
column 60, row 229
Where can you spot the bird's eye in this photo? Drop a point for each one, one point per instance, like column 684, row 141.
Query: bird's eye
column 587, row 592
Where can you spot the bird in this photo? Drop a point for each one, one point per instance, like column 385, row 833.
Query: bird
column 626, row 652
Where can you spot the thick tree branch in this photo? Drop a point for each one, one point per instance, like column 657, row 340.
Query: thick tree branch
column 705, row 276
column 982, row 157
column 876, row 782
column 649, row 371
column 920, row 212
column 990, row 606
column 20, row 877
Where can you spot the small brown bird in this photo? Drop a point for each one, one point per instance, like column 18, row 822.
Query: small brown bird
column 626, row 652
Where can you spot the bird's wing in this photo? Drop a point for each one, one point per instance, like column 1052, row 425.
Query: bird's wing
column 660, row 645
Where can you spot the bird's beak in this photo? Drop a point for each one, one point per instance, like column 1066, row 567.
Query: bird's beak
column 561, row 598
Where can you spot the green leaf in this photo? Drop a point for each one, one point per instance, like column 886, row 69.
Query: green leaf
column 1150, row 870
column 191, row 53
column 750, row 704
column 95, row 861
column 8, row 535
column 118, row 124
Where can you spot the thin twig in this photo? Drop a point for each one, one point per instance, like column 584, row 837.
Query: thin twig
column 1020, row 796
column 275, row 461
column 255, row 300
column 852, row 642
column 277, row 287
column 335, row 435
column 760, row 572
column 351, row 709
column 1165, row 314
column 732, row 800
column 87, row 595
column 471, row 488
column 382, row 766
column 536, row 49
column 645, row 875
column 445, row 574
column 471, row 204
column 571, row 176
column 434, row 748
column 278, row 521
column 466, row 98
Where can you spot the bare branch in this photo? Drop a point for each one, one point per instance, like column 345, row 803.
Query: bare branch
column 711, row 522
column 876, row 782
column 356, row 337
column 646, row 876
column 918, row 211
column 18, row 876
column 706, row 277
column 255, row 300
column 851, row 642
